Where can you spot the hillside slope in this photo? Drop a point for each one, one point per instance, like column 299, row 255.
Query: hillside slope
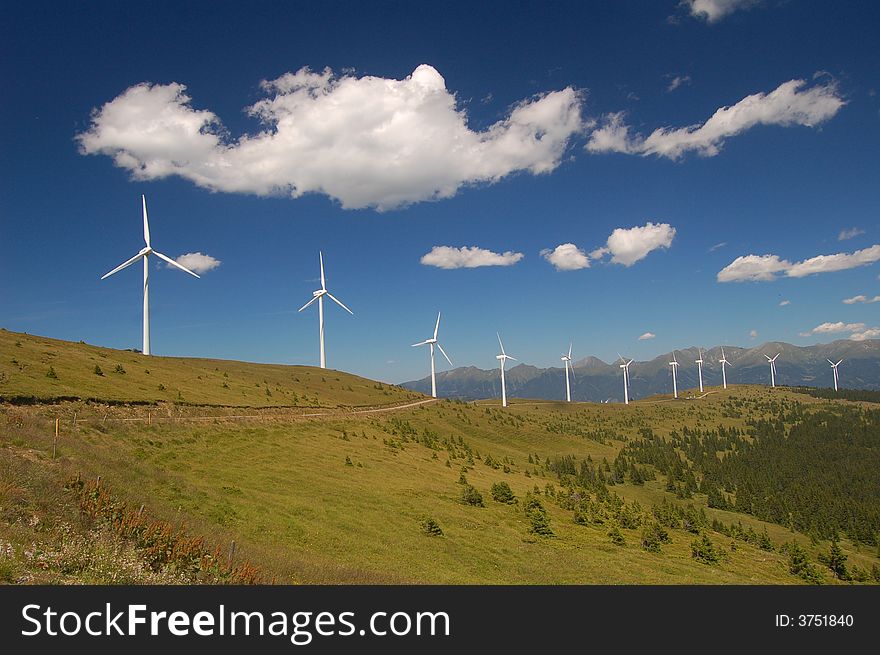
column 81, row 371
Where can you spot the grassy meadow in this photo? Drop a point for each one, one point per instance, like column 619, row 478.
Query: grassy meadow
column 345, row 498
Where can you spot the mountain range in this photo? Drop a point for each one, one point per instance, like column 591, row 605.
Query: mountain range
column 596, row 381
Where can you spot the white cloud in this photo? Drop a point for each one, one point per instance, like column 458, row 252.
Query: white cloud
column 717, row 246
column 646, row 336
column 840, row 326
column 629, row 245
column 789, row 104
column 753, row 334
column 868, row 333
column 678, row 81
column 449, row 257
column 753, row 268
column 860, row 298
column 713, row 11
column 849, row 233
column 197, row 262
column 566, row 257
column 838, row 262
column 784, row 303
column 365, row 141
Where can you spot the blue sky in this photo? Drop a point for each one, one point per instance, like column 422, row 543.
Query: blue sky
column 509, row 128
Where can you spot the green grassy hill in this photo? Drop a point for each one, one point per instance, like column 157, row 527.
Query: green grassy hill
column 49, row 369
column 354, row 498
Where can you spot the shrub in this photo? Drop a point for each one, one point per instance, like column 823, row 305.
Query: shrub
column 119, row 369
column 51, row 373
column 539, row 521
column 470, row 496
column 431, row 528
column 703, row 550
column 836, row 561
column 616, row 536
column 98, row 370
column 653, row 535
column 501, row 493
column 799, row 564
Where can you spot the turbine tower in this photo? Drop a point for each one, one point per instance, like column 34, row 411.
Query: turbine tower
column 433, row 342
column 699, row 363
column 834, row 369
column 772, row 362
column 319, row 296
column 503, row 357
column 723, row 361
column 567, row 360
column 625, row 367
column 144, row 254
column 674, row 364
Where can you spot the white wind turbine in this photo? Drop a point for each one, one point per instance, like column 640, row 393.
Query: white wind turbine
column 433, row 342
column 567, row 360
column 144, row 254
column 699, row 363
column 625, row 367
column 772, row 362
column 834, row 369
column 319, row 296
column 503, row 357
column 723, row 361
column 674, row 364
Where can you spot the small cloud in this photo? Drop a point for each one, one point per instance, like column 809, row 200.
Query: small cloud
column 197, row 262
column 566, row 257
column 449, row 257
column 791, row 103
column 753, row 334
column 863, row 335
column 753, row 268
column 831, row 328
column 849, row 233
column 678, row 81
column 646, row 336
column 717, row 246
column 713, row 11
column 784, row 303
column 860, row 299
column 630, row 245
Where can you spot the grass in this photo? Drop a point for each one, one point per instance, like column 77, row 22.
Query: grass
column 26, row 362
column 345, row 498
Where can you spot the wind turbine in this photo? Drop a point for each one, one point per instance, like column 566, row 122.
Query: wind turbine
column 772, row 362
column 834, row 369
column 723, row 361
column 567, row 360
column 625, row 367
column 144, row 254
column 674, row 364
column 699, row 363
column 433, row 342
column 319, row 296
column 503, row 357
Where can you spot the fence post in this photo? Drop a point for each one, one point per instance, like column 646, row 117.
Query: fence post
column 74, row 420
column 231, row 556
column 55, row 438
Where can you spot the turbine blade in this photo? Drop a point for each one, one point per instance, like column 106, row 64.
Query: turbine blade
column 123, row 265
column 174, row 263
column 513, row 358
column 420, row 343
column 445, row 355
column 838, row 363
column 146, row 223
column 829, row 361
column 338, row 302
column 308, row 303
column 437, row 327
column 321, row 256
column 500, row 343
column 569, row 349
